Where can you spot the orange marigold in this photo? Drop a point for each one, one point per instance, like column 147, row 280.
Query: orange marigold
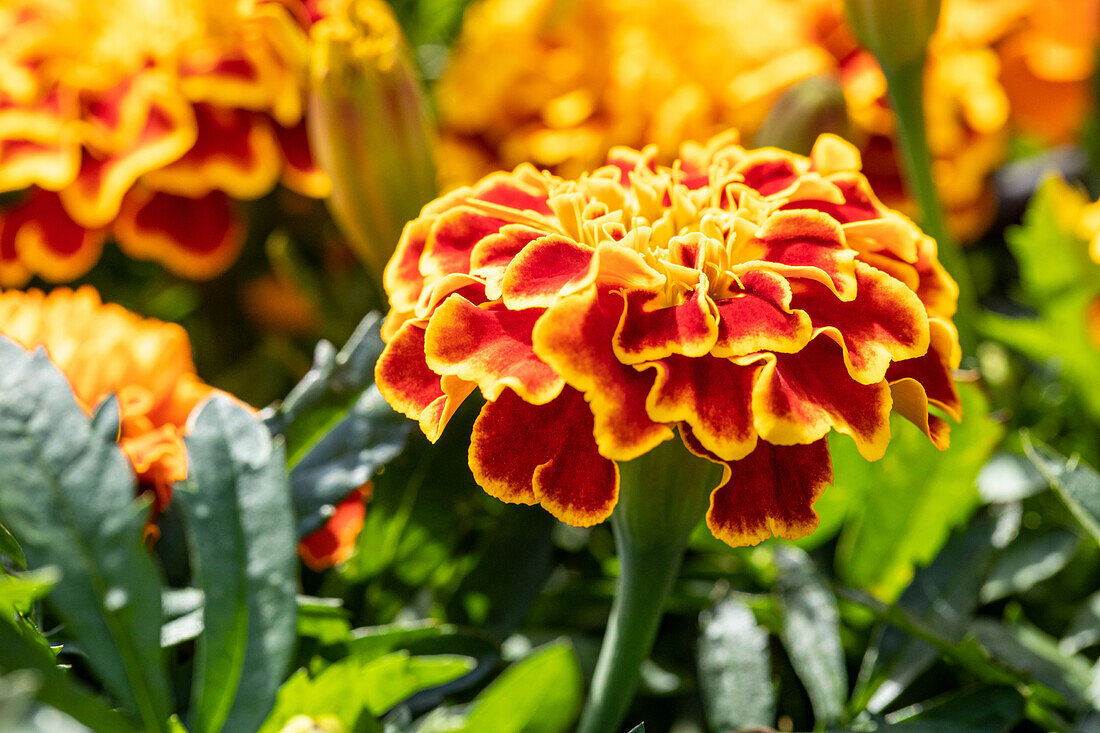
column 559, row 83
column 752, row 300
column 104, row 349
column 141, row 121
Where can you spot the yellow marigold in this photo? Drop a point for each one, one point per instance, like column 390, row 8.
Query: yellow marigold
column 559, row 83
column 752, row 300
column 140, row 121
column 1047, row 57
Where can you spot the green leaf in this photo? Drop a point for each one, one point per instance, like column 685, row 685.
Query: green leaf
column 982, row 710
column 905, row 505
column 374, row 641
column 357, row 688
column 1076, row 482
column 240, row 528
column 323, row 619
column 10, row 548
column 19, row 650
column 1084, row 628
column 339, row 431
column 541, row 694
column 1009, row 477
column 1026, row 649
column 67, row 492
column 734, row 667
column 18, row 592
column 811, row 632
column 943, row 596
column 1028, row 561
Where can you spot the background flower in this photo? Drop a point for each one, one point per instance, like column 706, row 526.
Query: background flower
column 142, row 122
column 754, row 300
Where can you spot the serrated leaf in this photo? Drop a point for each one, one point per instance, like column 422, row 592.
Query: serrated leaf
column 355, row 689
column 67, row 491
column 1077, row 483
column 811, row 632
column 734, row 667
column 1028, row 561
column 240, row 530
column 943, row 595
column 57, row 688
column 541, row 694
column 339, row 431
column 930, row 492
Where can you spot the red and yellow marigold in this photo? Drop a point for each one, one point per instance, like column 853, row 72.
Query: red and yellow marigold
column 141, row 121
column 103, row 350
column 750, row 300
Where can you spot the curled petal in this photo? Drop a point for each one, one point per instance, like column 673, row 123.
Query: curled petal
column 411, row 388
column 806, row 244
column 574, row 337
column 491, row 256
column 647, row 331
column 799, row 397
column 545, row 270
column 491, row 346
column 48, row 242
column 451, row 239
column 770, row 493
column 933, row 370
column 712, row 396
column 759, row 318
column 558, row 464
column 886, row 322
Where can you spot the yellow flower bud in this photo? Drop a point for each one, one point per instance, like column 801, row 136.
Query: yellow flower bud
column 895, row 31
column 369, row 126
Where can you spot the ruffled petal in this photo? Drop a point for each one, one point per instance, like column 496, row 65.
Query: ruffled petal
column 649, row 330
column 770, row 493
column 558, row 466
column 574, row 337
column 48, row 242
column 760, row 318
column 806, row 244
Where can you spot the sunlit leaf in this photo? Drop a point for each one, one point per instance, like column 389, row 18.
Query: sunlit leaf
column 339, row 431
column 240, row 530
column 1029, row 560
column 734, row 667
column 18, row 592
column 1084, row 629
column 1077, row 483
column 67, row 492
column 811, row 632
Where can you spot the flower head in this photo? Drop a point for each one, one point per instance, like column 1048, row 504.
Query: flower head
column 141, row 120
column 752, row 300
column 104, row 349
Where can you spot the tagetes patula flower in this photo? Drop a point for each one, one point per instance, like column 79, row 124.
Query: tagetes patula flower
column 1046, row 53
column 103, row 350
column 560, row 83
column 141, row 121
column 750, row 300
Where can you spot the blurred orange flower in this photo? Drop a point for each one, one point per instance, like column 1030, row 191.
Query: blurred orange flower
column 104, row 349
column 753, row 300
column 141, row 121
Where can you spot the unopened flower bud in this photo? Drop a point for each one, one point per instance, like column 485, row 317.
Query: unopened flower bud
column 895, row 31
column 369, row 126
column 807, row 110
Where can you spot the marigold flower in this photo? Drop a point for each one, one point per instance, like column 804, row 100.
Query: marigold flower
column 104, row 349
column 558, row 84
column 141, row 121
column 753, row 300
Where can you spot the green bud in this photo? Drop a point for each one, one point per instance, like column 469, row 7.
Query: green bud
column 369, row 127
column 808, row 109
column 895, row 31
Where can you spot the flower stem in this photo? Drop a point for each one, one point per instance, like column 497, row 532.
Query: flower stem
column 905, row 88
column 662, row 497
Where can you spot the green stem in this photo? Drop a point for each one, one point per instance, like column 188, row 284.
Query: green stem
column 663, row 495
column 905, row 88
